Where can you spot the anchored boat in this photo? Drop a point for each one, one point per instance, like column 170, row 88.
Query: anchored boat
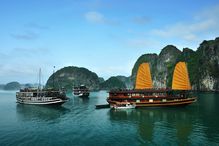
column 41, row 96
column 81, row 91
column 144, row 95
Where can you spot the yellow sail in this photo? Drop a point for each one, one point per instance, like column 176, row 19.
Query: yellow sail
column 143, row 79
column 181, row 77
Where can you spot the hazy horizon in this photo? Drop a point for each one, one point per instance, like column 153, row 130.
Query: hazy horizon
column 106, row 37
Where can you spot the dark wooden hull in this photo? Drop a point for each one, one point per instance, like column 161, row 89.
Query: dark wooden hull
column 159, row 103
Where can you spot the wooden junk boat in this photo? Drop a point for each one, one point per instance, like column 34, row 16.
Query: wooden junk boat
column 144, row 95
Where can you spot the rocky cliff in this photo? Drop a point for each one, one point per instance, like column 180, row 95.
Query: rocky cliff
column 112, row 83
column 203, row 65
column 68, row 77
column 12, row 86
column 126, row 80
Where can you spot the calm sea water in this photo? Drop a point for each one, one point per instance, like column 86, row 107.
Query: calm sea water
column 77, row 122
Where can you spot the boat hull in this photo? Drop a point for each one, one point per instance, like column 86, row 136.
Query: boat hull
column 54, row 102
column 172, row 102
column 41, row 97
column 82, row 95
column 123, row 108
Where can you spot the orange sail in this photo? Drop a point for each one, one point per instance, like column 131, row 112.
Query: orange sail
column 143, row 80
column 181, row 77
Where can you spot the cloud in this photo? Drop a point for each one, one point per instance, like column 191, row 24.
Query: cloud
column 138, row 43
column 187, row 31
column 22, row 72
column 141, row 20
column 28, row 35
column 30, row 51
column 143, row 43
column 203, row 24
column 98, row 18
column 36, row 26
column 3, row 56
column 95, row 17
column 21, row 64
column 108, row 71
column 98, row 4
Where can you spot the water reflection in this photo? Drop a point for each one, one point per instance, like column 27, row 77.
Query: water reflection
column 157, row 125
column 83, row 99
column 208, row 111
column 196, row 124
column 35, row 112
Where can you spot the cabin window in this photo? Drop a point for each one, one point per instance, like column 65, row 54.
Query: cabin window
column 164, row 100
column 137, row 100
column 30, row 94
column 151, row 100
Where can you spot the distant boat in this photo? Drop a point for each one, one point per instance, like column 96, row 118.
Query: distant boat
column 39, row 96
column 144, row 95
column 81, row 91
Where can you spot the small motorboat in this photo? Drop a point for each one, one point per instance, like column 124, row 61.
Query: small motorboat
column 123, row 105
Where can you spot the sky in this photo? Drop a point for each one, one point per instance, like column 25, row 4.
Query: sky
column 104, row 36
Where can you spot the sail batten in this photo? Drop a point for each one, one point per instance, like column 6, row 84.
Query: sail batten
column 181, row 77
column 143, row 79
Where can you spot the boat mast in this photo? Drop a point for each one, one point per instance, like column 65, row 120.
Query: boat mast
column 39, row 84
column 40, row 79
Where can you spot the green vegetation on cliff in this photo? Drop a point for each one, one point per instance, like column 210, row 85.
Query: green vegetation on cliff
column 126, row 80
column 113, row 83
column 161, row 65
column 203, row 65
column 68, row 77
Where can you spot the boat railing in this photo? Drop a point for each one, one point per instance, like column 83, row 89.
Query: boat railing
column 141, row 90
